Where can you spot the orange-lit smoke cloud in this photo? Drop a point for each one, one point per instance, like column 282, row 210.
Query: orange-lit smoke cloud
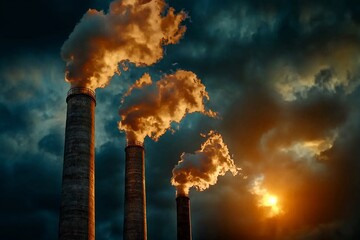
column 149, row 108
column 201, row 169
column 132, row 30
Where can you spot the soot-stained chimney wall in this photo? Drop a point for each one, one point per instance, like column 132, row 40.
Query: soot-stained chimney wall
column 77, row 211
column 183, row 218
column 135, row 196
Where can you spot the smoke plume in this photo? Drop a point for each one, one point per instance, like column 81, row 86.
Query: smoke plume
column 132, row 30
column 201, row 169
column 148, row 108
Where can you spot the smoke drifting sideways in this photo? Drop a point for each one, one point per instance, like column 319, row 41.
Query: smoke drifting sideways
column 132, row 30
column 149, row 108
column 201, row 169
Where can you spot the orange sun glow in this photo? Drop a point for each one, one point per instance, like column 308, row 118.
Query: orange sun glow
column 270, row 201
column 266, row 199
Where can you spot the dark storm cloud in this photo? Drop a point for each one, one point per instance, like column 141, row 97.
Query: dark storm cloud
column 109, row 187
column 244, row 38
column 30, row 157
column 31, row 196
column 37, row 24
column 293, row 68
column 10, row 121
column 344, row 165
column 52, row 143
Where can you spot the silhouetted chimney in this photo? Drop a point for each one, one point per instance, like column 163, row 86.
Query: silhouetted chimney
column 135, row 197
column 183, row 218
column 77, row 211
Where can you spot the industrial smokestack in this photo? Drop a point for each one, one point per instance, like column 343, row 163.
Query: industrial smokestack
column 77, row 212
column 183, row 217
column 135, row 197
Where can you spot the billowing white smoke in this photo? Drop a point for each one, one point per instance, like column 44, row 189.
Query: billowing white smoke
column 149, row 108
column 201, row 169
column 132, row 30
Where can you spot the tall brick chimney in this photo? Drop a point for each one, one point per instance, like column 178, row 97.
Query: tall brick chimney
column 77, row 211
column 135, row 196
column 183, row 217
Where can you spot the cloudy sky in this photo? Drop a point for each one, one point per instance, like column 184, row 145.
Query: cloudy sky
column 283, row 77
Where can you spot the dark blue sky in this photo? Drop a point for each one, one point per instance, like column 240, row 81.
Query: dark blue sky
column 284, row 77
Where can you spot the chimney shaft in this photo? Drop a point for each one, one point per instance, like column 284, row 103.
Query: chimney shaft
column 77, row 211
column 135, row 198
column 183, row 218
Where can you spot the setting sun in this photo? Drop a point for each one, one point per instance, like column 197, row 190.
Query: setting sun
column 266, row 199
column 270, row 201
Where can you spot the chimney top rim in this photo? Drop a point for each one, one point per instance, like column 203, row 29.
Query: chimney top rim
column 134, row 144
column 81, row 90
column 182, row 196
